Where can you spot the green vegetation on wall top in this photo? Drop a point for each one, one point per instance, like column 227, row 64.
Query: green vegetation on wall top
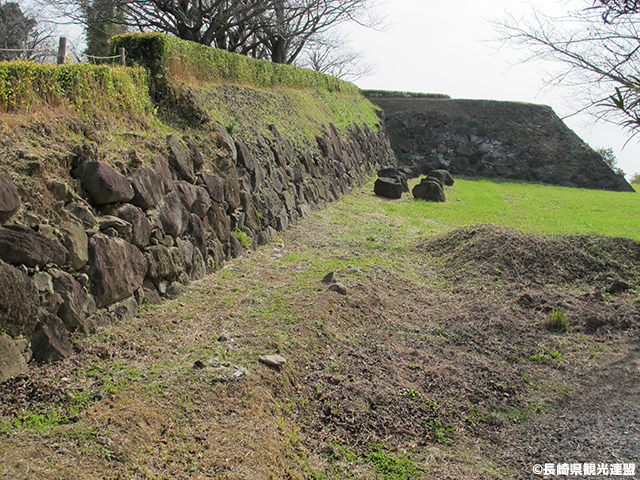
column 87, row 89
column 172, row 62
column 394, row 94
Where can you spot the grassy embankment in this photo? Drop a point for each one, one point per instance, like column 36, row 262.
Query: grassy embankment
column 406, row 377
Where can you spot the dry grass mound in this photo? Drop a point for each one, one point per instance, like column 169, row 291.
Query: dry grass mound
column 481, row 251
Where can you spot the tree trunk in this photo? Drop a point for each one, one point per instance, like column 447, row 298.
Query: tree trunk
column 279, row 50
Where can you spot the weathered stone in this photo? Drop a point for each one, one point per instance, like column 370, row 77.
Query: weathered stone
column 161, row 264
column 214, row 186
column 104, row 184
column 244, row 157
column 338, row 287
column 227, row 142
column 51, row 343
column 140, row 224
column 198, row 266
column 152, row 296
column 251, row 220
column 219, row 222
column 43, row 281
column 273, row 360
column 174, row 290
column 75, row 241
column 237, row 250
column 186, row 192
column 123, row 228
column 148, row 186
column 180, row 159
column 124, row 311
column 77, row 304
column 429, row 190
column 161, row 167
column 232, row 190
column 20, row 244
column 51, row 302
column 173, row 215
column 388, row 187
column 202, row 203
column 82, row 213
column 328, row 278
column 9, row 199
column 32, row 220
column 187, row 252
column 196, row 154
column 116, row 269
column 618, row 286
column 196, row 230
column 443, row 175
column 60, row 191
column 272, row 203
column 12, row 361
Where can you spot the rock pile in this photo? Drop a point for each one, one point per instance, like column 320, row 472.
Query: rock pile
column 132, row 234
column 392, row 182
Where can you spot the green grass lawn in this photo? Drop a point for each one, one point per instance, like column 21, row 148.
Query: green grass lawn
column 532, row 208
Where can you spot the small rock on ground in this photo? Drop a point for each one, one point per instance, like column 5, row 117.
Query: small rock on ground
column 338, row 287
column 273, row 360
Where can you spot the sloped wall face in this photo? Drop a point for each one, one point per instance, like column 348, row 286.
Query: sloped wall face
column 126, row 234
column 494, row 139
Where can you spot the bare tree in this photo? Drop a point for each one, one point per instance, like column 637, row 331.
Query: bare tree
column 332, row 54
column 598, row 50
column 276, row 30
column 15, row 28
column 24, row 35
column 289, row 26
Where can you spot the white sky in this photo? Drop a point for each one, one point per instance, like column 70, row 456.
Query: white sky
column 443, row 47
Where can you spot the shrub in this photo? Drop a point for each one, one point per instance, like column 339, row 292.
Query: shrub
column 172, row 61
column 87, row 89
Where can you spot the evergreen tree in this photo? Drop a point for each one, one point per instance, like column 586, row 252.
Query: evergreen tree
column 15, row 29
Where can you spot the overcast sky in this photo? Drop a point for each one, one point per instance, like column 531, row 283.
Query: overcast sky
column 444, row 47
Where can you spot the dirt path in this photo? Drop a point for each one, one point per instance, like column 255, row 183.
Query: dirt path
column 430, row 367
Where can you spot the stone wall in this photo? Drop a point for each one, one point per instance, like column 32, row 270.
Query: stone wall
column 494, row 139
column 127, row 234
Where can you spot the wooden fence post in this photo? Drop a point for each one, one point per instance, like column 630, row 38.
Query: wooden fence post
column 122, row 55
column 62, row 50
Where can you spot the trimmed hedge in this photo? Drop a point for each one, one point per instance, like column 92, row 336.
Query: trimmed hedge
column 392, row 94
column 88, row 89
column 172, row 61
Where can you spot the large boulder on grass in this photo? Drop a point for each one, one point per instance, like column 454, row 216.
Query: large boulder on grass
column 388, row 187
column 429, row 190
column 443, row 175
column 392, row 172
